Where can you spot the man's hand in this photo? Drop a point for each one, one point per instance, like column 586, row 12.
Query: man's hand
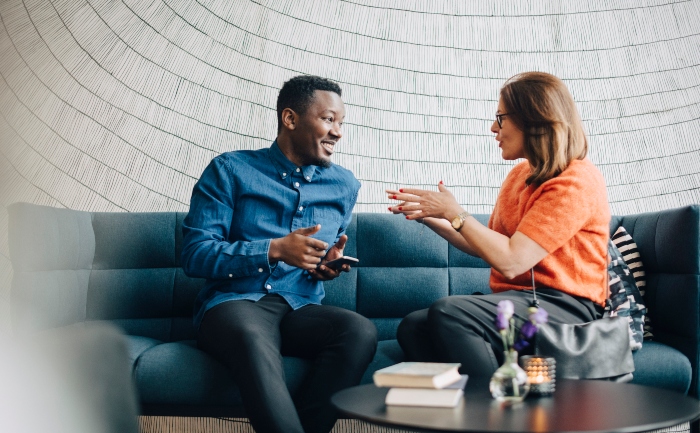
column 299, row 249
column 323, row 272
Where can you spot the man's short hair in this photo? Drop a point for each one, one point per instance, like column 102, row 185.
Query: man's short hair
column 298, row 92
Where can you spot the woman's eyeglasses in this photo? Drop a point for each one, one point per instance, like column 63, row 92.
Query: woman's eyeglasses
column 499, row 119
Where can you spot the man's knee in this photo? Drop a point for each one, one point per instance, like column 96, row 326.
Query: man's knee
column 363, row 330
column 360, row 334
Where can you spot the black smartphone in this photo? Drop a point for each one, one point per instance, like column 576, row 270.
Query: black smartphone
column 339, row 262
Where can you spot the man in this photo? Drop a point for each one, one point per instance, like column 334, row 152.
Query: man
column 259, row 230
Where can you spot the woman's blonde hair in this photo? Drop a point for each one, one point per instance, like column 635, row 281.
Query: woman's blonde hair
column 541, row 106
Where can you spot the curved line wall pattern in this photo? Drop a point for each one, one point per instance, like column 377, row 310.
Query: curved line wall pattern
column 110, row 105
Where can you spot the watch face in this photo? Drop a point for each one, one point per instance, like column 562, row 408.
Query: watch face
column 457, row 223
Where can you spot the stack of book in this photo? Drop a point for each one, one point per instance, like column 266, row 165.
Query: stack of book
column 430, row 384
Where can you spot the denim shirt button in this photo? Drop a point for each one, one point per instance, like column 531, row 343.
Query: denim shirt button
column 296, row 184
column 230, row 275
column 268, row 287
column 260, row 269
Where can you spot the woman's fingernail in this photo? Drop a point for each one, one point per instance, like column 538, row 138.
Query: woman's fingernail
column 406, row 216
column 440, row 181
column 390, row 209
column 400, row 208
column 401, row 190
column 394, row 197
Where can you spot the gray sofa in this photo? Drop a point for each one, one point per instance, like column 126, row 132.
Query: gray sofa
column 72, row 266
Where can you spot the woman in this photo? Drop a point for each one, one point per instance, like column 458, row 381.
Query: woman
column 551, row 215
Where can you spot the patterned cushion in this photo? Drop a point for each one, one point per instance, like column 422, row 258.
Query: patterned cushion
column 630, row 254
column 625, row 298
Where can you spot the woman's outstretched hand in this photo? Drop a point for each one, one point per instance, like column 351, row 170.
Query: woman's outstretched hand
column 402, row 207
column 420, row 203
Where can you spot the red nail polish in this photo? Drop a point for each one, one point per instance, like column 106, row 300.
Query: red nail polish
column 406, row 216
column 400, row 208
column 394, row 196
column 401, row 190
column 440, row 181
column 389, row 209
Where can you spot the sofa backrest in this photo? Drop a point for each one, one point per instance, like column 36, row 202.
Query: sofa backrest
column 72, row 266
column 403, row 267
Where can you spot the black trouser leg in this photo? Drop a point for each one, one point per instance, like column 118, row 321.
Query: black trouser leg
column 245, row 336
column 341, row 343
column 414, row 337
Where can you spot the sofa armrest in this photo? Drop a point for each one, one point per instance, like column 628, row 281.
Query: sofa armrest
column 51, row 251
column 669, row 245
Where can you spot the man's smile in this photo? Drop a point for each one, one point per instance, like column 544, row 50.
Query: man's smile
column 328, row 145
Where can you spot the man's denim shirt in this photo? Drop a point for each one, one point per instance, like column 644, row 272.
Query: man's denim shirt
column 242, row 201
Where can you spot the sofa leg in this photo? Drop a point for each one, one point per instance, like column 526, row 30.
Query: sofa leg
column 695, row 426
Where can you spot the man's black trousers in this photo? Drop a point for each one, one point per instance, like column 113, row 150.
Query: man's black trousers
column 250, row 338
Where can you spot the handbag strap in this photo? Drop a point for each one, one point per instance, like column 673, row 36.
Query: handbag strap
column 535, row 303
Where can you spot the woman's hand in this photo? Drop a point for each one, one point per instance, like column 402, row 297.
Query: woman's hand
column 401, row 208
column 420, row 203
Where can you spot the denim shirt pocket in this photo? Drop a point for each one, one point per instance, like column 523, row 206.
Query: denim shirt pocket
column 330, row 220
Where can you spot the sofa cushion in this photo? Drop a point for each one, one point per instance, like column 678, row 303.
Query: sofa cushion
column 178, row 373
column 388, row 353
column 661, row 366
column 137, row 345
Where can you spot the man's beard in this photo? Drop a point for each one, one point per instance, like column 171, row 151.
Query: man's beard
column 323, row 163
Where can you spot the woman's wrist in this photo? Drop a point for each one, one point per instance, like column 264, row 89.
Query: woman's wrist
column 452, row 213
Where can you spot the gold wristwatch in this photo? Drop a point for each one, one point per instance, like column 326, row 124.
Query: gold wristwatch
column 458, row 221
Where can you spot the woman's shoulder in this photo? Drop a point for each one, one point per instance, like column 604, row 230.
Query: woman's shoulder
column 519, row 172
column 582, row 169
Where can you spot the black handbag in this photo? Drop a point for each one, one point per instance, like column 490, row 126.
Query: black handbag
column 594, row 350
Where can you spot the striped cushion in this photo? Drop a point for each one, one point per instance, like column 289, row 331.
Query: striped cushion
column 630, row 254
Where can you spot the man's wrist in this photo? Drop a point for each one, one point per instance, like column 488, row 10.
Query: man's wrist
column 273, row 252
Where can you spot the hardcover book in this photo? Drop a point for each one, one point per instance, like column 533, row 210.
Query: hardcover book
column 434, row 375
column 448, row 396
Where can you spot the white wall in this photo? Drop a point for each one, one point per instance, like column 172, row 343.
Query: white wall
column 119, row 105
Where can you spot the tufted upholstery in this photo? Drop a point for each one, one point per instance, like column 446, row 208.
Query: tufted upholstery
column 72, row 266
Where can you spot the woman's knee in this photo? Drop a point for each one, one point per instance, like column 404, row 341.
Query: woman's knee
column 452, row 310
column 412, row 326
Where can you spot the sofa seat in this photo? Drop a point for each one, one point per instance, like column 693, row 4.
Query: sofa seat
column 662, row 366
column 193, row 377
column 177, row 374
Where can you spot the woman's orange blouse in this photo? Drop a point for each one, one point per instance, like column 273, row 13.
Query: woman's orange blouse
column 568, row 216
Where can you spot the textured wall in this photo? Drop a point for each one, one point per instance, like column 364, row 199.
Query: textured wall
column 119, row 105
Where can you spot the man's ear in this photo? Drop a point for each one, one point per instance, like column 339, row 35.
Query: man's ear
column 289, row 118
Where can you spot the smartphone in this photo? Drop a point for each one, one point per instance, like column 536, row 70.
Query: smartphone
column 339, row 262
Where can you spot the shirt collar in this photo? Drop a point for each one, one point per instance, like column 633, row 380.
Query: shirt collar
column 285, row 167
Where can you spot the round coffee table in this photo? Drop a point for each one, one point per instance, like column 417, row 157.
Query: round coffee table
column 576, row 406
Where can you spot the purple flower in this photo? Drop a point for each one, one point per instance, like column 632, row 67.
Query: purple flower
column 528, row 330
column 539, row 316
column 506, row 308
column 521, row 344
column 502, row 322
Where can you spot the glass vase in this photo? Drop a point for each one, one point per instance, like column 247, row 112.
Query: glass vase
column 509, row 383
